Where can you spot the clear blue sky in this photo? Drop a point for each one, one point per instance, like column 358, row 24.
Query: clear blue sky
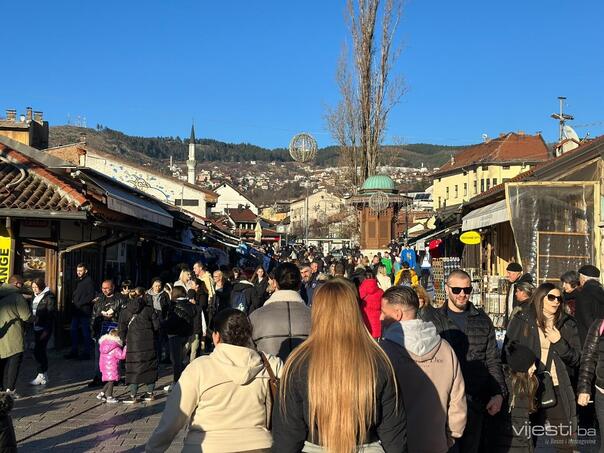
column 260, row 71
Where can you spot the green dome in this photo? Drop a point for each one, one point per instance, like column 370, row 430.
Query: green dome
column 378, row 182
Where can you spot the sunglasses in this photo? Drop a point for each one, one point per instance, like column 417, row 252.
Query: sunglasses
column 552, row 298
column 458, row 290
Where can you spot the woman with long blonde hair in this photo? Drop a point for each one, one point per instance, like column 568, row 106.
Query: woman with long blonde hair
column 338, row 392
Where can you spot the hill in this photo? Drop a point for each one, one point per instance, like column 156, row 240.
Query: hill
column 148, row 149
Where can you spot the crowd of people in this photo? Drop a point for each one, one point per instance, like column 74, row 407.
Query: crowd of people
column 363, row 356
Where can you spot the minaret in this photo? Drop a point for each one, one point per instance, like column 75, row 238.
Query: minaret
column 191, row 163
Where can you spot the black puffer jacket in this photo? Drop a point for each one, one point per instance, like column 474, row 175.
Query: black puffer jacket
column 83, row 296
column 46, row 311
column 477, row 352
column 180, row 318
column 104, row 303
column 567, row 351
column 430, row 314
column 592, row 360
column 589, row 306
column 139, row 325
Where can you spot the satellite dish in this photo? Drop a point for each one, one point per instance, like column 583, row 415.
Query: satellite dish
column 569, row 133
column 485, row 138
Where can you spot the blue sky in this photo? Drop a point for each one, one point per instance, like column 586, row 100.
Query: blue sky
column 259, row 72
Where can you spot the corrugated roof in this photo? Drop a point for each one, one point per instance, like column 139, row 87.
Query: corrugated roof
column 510, row 148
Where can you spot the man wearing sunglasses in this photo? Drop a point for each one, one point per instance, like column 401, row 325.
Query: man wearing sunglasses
column 471, row 334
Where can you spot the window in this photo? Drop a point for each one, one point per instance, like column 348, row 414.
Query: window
column 439, row 203
column 447, row 193
column 475, row 186
column 506, row 167
column 482, row 185
column 465, row 189
column 488, row 183
column 456, row 192
column 494, row 182
column 185, row 202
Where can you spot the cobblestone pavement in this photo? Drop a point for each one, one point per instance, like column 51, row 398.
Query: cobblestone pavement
column 65, row 416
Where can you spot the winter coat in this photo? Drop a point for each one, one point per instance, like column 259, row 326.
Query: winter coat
column 14, row 312
column 589, row 306
column 160, row 303
column 291, row 427
column 507, row 430
column 222, row 298
column 8, row 440
column 477, row 352
column 430, row 379
column 384, row 281
column 592, row 360
column 414, row 278
column 570, row 300
column 281, row 324
column 82, row 296
column 567, row 352
column 45, row 312
column 250, row 298
column 111, row 353
column 222, row 397
column 139, row 325
column 261, row 291
column 104, row 303
column 526, row 278
column 429, row 313
column 371, row 306
column 180, row 318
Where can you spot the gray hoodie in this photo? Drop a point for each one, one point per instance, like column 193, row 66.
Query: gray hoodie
column 430, row 379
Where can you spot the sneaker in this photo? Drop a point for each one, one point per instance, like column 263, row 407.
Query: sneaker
column 111, row 400
column 13, row 393
column 130, row 400
column 40, row 379
column 101, row 396
column 71, row 356
column 148, row 396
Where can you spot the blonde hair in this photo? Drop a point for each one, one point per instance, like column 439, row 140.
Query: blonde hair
column 422, row 294
column 343, row 365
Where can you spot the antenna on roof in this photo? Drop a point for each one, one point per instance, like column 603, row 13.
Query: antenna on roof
column 562, row 119
column 485, row 138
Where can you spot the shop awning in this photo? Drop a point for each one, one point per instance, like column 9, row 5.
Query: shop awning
column 434, row 235
column 491, row 214
column 126, row 202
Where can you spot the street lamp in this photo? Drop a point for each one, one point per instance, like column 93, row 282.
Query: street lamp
column 303, row 149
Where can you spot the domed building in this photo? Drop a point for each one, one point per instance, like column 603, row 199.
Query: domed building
column 378, row 202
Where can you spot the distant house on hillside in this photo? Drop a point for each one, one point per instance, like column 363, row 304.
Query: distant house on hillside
column 229, row 197
column 168, row 189
column 478, row 168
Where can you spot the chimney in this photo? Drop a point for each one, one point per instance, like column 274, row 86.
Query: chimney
column 29, row 114
column 11, row 115
column 38, row 117
column 82, row 138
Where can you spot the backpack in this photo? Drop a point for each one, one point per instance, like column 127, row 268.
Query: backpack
column 239, row 301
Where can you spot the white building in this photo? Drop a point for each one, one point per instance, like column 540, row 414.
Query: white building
column 229, row 197
column 321, row 205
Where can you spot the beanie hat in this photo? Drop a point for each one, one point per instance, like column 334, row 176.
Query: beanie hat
column 519, row 357
column 589, row 271
column 514, row 267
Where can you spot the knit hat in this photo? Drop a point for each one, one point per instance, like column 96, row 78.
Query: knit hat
column 589, row 271
column 514, row 267
column 519, row 357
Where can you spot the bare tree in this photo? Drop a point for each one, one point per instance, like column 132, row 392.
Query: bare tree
column 359, row 121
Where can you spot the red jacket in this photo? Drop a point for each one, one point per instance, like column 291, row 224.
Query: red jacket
column 371, row 302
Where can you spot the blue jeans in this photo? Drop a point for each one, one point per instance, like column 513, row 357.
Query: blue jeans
column 78, row 322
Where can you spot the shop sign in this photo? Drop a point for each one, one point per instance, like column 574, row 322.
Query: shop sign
column 470, row 237
column 5, row 258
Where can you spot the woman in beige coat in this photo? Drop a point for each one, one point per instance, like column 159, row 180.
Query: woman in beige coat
column 223, row 397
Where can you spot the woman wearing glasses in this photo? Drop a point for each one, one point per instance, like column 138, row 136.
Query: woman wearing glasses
column 553, row 337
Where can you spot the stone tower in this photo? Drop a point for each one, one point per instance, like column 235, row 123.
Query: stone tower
column 191, row 162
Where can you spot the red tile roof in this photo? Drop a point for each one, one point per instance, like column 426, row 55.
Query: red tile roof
column 509, row 148
column 40, row 189
column 241, row 215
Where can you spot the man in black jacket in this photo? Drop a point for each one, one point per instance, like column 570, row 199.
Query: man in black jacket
column 589, row 304
column 471, row 334
column 83, row 296
column 515, row 275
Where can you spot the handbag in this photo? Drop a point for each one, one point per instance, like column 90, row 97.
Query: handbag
column 547, row 395
column 273, row 386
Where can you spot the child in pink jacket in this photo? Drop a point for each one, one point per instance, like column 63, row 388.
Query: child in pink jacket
column 110, row 348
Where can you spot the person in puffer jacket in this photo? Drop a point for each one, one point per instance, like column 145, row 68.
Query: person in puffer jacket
column 111, row 352
column 371, row 299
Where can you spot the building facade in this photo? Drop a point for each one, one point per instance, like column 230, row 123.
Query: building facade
column 229, row 198
column 319, row 206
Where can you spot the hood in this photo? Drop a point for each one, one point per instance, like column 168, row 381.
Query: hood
column 369, row 286
column 7, row 290
column 284, row 295
column 418, row 337
column 242, row 284
column 136, row 305
column 526, row 278
column 108, row 343
column 239, row 364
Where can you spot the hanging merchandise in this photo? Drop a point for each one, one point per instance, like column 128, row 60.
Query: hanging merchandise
column 435, row 248
column 408, row 255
